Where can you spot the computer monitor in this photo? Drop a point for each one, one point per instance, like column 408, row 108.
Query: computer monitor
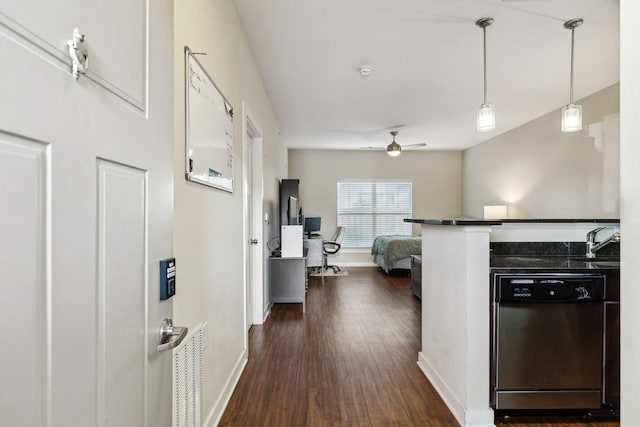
column 312, row 225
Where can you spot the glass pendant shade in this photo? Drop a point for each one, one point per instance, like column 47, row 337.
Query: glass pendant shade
column 571, row 118
column 486, row 118
column 571, row 113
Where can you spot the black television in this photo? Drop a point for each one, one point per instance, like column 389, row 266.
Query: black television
column 312, row 225
column 292, row 211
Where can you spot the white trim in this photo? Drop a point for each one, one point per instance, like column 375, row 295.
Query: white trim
column 479, row 418
column 456, row 408
column 469, row 418
column 48, row 256
column 351, row 250
column 266, row 313
column 356, row 264
column 213, row 419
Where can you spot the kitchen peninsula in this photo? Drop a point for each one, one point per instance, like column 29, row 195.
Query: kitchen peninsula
column 456, row 334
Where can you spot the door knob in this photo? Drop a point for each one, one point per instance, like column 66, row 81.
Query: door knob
column 253, row 241
column 171, row 336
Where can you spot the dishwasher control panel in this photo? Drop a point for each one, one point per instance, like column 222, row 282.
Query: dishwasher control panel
column 549, row 288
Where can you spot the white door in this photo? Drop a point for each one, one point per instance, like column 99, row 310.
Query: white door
column 86, row 172
column 253, row 188
column 252, row 238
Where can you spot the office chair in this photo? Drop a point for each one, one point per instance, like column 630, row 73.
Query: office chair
column 331, row 247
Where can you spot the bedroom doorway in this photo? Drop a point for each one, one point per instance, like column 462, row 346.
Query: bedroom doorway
column 253, row 230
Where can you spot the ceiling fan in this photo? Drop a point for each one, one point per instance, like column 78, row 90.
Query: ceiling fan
column 394, row 149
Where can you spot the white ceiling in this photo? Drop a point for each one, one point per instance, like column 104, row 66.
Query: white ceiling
column 426, row 57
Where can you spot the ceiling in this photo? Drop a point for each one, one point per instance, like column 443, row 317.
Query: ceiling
column 426, row 60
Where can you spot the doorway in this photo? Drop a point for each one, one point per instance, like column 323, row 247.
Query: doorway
column 253, row 230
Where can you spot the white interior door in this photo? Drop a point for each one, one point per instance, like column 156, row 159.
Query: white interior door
column 252, row 238
column 253, row 187
column 87, row 213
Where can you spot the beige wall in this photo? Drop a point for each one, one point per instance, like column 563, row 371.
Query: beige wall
column 436, row 177
column 540, row 172
column 209, row 222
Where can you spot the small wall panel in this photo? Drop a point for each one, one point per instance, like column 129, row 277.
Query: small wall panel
column 122, row 295
column 25, row 371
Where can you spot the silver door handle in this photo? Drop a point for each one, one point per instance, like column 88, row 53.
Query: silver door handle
column 253, row 241
column 171, row 336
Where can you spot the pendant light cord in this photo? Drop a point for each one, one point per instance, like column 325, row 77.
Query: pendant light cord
column 571, row 25
column 571, row 81
column 484, row 42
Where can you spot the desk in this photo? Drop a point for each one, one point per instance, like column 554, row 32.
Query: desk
column 288, row 277
column 314, row 255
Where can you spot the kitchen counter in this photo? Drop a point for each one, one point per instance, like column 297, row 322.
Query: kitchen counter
column 481, row 221
column 456, row 266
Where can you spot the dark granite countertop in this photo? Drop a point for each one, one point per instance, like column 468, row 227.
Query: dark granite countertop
column 469, row 221
column 560, row 264
column 480, row 221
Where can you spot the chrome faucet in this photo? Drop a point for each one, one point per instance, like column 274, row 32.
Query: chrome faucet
column 593, row 247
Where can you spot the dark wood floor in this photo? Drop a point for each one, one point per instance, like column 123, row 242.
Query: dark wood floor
column 350, row 360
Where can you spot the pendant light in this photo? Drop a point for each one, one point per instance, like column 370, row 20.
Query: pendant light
column 486, row 114
column 572, row 113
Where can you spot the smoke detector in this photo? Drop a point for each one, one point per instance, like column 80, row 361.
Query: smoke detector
column 365, row 70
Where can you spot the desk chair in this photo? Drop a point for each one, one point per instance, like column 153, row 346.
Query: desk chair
column 331, row 247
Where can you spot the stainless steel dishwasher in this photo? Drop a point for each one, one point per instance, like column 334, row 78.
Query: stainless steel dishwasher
column 546, row 341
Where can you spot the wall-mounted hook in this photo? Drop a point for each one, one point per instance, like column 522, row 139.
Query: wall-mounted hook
column 78, row 53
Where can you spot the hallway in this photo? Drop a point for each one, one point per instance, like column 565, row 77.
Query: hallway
column 350, row 360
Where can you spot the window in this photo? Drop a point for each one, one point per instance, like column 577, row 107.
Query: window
column 369, row 209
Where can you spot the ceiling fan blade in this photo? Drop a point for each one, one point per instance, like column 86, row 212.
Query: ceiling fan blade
column 373, row 148
column 366, row 132
column 390, row 128
column 422, row 144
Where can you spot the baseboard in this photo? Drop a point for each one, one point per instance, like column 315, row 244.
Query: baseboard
column 266, row 313
column 213, row 419
column 447, row 396
column 356, row 264
column 466, row 418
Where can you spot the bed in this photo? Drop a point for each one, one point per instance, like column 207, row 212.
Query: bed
column 393, row 252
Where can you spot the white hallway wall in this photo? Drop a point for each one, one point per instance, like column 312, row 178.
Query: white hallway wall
column 208, row 222
column 541, row 172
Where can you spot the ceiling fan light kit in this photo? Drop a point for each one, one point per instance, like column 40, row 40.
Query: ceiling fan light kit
column 394, row 148
column 486, row 115
column 571, row 113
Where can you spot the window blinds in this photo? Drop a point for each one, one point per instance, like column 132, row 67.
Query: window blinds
column 369, row 209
